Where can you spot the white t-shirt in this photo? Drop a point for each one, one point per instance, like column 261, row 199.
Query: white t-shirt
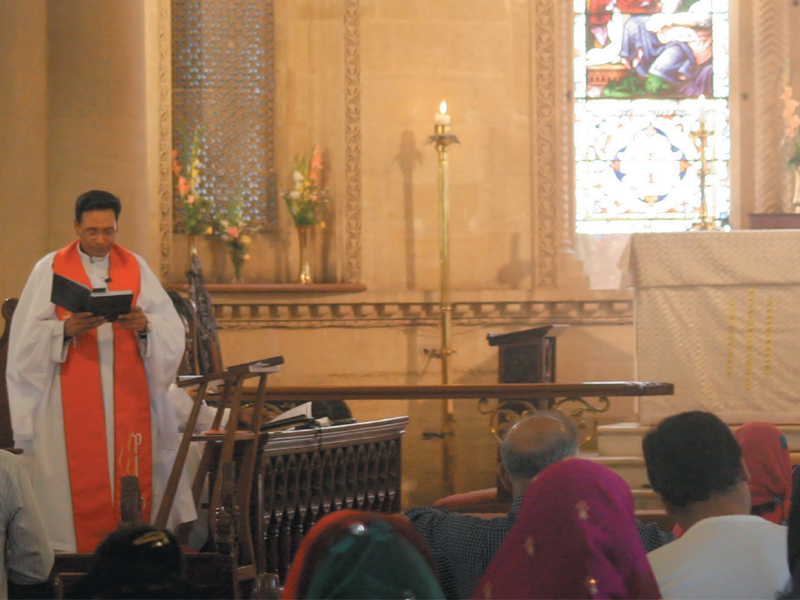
column 735, row 556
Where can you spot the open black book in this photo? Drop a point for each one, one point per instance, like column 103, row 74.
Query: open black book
column 76, row 297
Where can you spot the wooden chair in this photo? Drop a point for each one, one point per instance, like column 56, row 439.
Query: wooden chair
column 235, row 450
column 209, row 355
column 188, row 314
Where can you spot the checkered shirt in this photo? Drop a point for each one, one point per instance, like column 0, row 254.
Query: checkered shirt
column 463, row 546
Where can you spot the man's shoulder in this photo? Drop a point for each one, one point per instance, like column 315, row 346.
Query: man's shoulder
column 139, row 259
column 432, row 517
column 46, row 262
column 720, row 533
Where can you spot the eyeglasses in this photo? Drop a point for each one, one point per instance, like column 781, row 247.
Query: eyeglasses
column 92, row 233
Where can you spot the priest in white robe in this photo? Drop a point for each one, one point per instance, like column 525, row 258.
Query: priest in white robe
column 88, row 398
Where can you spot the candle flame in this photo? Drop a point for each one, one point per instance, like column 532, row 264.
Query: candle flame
column 443, row 108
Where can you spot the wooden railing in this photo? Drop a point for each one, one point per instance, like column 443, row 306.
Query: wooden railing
column 500, row 391
column 304, row 475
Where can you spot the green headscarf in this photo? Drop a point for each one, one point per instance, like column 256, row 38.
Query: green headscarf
column 370, row 562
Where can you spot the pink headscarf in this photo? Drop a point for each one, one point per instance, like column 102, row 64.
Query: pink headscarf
column 575, row 537
column 766, row 455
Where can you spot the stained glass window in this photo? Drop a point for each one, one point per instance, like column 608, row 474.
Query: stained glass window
column 646, row 73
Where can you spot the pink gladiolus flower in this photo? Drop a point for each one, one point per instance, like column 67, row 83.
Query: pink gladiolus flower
column 176, row 167
column 233, row 232
column 316, row 164
column 189, row 199
column 794, row 124
column 174, row 153
column 789, row 107
column 183, row 186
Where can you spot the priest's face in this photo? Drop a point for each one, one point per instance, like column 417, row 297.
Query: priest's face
column 97, row 231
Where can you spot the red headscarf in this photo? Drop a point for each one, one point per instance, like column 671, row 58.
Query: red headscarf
column 766, row 454
column 575, row 537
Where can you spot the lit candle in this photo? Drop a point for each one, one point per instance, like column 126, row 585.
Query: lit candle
column 442, row 118
column 702, row 102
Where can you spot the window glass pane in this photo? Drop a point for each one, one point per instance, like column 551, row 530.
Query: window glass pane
column 640, row 66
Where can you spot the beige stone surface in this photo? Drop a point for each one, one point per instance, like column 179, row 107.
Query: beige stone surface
column 75, row 115
column 23, row 142
column 395, row 356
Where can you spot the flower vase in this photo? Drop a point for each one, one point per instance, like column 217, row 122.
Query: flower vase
column 305, row 234
column 192, row 250
column 796, row 189
column 238, row 271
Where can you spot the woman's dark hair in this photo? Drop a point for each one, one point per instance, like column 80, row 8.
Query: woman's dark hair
column 138, row 557
column 690, row 456
column 97, row 200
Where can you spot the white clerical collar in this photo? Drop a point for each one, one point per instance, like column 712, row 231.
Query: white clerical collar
column 93, row 259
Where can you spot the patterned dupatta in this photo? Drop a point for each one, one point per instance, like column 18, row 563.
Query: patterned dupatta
column 575, row 537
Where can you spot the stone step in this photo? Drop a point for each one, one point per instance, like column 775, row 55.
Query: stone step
column 625, row 439
column 646, row 499
column 632, row 468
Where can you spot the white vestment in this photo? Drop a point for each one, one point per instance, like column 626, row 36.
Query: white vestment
column 36, row 352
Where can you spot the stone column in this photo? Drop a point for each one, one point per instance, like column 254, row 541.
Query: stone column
column 99, row 116
column 771, row 47
column 23, row 141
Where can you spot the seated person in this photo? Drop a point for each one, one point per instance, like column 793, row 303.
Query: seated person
column 136, row 561
column 464, row 545
column 766, row 454
column 27, row 557
column 695, row 464
column 575, row 537
column 354, row 554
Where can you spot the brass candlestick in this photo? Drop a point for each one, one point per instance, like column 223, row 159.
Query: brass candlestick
column 705, row 222
column 442, row 138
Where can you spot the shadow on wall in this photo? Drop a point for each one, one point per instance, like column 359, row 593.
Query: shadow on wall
column 516, row 271
column 408, row 157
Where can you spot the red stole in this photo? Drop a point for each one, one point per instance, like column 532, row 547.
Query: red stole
column 84, row 416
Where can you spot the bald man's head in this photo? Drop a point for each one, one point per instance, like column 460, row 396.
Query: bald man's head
column 535, row 443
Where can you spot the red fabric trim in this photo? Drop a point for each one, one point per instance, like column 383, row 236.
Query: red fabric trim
column 93, row 512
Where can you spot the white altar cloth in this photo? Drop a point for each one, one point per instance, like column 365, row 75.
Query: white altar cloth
column 718, row 315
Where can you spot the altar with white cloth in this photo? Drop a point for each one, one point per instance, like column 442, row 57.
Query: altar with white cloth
column 718, row 315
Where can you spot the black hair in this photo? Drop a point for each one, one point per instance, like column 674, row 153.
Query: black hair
column 137, row 559
column 97, row 200
column 691, row 456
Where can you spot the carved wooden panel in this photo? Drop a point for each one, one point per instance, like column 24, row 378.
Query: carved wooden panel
column 304, row 475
